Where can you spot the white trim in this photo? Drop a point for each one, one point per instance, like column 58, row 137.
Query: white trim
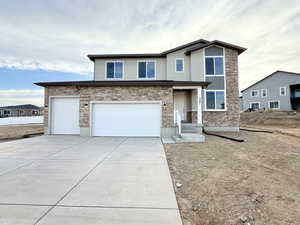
column 115, row 61
column 284, row 91
column 185, row 87
column 214, row 110
column 269, row 105
column 182, row 65
column 255, row 95
column 204, row 63
column 250, row 104
column 261, row 94
column 124, row 102
column 49, row 108
column 199, row 105
column 145, row 78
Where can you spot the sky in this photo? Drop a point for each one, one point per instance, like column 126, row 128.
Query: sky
column 49, row 40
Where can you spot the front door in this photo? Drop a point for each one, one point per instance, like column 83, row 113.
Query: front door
column 180, row 103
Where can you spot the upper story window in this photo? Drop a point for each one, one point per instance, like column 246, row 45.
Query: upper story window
column 263, row 93
column 114, row 70
column 179, row 65
column 146, row 69
column 214, row 61
column 254, row 93
column 282, row 91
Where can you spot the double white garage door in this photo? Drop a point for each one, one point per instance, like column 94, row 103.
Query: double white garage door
column 107, row 118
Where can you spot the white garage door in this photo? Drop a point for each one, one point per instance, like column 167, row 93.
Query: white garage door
column 65, row 116
column 126, row 119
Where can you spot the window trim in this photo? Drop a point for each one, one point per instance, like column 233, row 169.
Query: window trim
column 204, row 62
column 114, row 78
column 250, row 105
column 182, row 65
column 261, row 93
column 214, row 110
column 145, row 78
column 269, row 104
column 284, row 91
column 255, row 95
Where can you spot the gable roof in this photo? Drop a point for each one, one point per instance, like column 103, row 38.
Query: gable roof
column 21, row 107
column 200, row 43
column 278, row 71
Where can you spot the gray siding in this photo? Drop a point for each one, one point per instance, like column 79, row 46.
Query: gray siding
column 171, row 73
column 217, row 83
column 197, row 67
column 272, row 84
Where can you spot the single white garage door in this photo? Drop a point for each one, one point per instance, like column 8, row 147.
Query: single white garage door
column 126, row 119
column 64, row 116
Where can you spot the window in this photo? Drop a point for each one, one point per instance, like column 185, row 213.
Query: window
column 263, row 93
column 254, row 93
column 214, row 61
column 215, row 100
column 146, row 69
column 179, row 65
column 274, row 104
column 114, row 70
column 282, row 91
column 255, row 106
column 297, row 93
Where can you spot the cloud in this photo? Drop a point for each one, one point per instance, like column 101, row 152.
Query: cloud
column 57, row 35
column 18, row 97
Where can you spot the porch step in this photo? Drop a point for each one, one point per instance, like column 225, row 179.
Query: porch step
column 191, row 128
column 189, row 137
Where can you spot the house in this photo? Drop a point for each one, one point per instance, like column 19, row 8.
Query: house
column 162, row 94
column 20, row 110
column 279, row 90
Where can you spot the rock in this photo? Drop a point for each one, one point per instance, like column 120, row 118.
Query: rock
column 178, row 185
column 243, row 218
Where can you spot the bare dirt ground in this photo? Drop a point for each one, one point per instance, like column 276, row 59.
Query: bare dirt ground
column 8, row 133
column 225, row 182
column 284, row 122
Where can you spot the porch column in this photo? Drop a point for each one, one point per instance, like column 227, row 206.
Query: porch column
column 199, row 104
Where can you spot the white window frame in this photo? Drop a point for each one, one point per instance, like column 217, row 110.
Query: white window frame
column 218, row 56
column 145, row 78
column 284, row 91
column 114, row 78
column 205, row 100
column 257, row 91
column 182, row 65
column 269, row 104
column 262, row 93
column 250, row 105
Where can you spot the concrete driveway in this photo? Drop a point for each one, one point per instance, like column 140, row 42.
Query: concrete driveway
column 73, row 180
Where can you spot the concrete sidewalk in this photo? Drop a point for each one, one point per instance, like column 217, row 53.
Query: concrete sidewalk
column 82, row 180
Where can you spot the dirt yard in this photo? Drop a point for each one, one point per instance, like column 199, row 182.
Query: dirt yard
column 13, row 132
column 256, row 182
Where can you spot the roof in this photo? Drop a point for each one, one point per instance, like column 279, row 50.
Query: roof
column 93, row 83
column 201, row 43
column 22, row 107
column 281, row 71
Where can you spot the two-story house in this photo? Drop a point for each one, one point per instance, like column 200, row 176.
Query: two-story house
column 189, row 86
column 279, row 90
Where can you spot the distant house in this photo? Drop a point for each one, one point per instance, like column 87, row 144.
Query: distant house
column 279, row 90
column 20, row 110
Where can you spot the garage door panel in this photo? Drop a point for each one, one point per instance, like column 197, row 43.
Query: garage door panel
column 65, row 116
column 126, row 119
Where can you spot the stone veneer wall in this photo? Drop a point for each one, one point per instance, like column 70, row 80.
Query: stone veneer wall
column 231, row 117
column 118, row 93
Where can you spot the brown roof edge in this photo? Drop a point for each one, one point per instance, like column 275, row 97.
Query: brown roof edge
column 124, row 83
column 217, row 42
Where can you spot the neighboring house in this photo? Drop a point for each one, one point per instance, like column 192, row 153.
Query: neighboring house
column 20, row 110
column 147, row 94
column 280, row 90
